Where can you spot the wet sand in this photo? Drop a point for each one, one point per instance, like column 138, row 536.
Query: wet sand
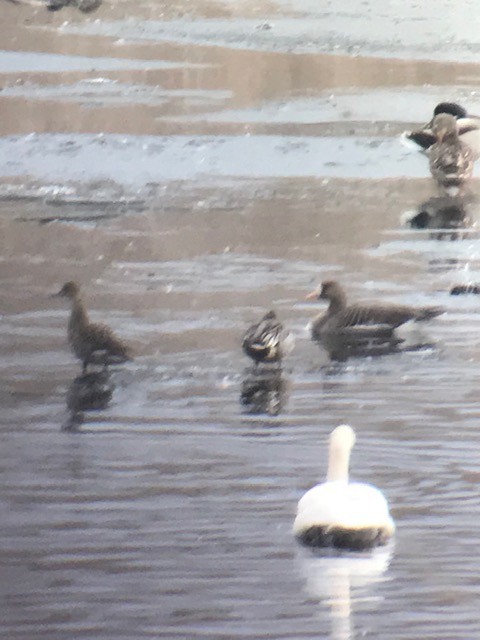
column 193, row 167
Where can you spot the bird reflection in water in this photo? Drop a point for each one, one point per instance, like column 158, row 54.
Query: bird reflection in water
column 342, row 347
column 342, row 581
column 447, row 215
column 88, row 392
column 85, row 6
column 263, row 390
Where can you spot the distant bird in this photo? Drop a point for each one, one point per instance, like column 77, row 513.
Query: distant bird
column 451, row 160
column 462, row 289
column 91, row 343
column 85, row 6
column 339, row 513
column 468, row 128
column 267, row 340
column 360, row 319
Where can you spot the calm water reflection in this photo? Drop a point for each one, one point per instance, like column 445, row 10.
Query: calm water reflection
column 264, row 390
column 88, row 392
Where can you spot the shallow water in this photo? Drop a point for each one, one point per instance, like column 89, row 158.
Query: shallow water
column 189, row 188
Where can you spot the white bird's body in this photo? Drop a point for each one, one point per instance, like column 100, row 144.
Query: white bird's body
column 352, row 505
column 340, row 513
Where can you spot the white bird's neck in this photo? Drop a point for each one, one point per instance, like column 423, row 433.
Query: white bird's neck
column 338, row 462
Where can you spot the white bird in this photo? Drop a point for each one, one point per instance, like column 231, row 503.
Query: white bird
column 339, row 513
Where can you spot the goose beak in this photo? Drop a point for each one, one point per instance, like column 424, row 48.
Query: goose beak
column 313, row 295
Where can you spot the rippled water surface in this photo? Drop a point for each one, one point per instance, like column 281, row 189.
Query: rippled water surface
column 193, row 167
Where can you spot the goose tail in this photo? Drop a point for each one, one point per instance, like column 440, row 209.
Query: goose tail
column 427, row 313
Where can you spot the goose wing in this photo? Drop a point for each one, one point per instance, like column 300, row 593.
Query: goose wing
column 381, row 316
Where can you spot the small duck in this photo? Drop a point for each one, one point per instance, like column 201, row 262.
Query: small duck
column 468, row 127
column 91, row 343
column 360, row 320
column 451, row 161
column 342, row 514
column 267, row 340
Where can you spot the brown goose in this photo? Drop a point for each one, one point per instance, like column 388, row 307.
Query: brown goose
column 451, row 160
column 267, row 340
column 91, row 343
column 359, row 319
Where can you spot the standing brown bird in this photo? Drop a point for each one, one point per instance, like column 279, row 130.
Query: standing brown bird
column 451, row 160
column 359, row 319
column 91, row 343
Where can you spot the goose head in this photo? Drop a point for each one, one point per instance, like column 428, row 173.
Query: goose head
column 70, row 290
column 330, row 290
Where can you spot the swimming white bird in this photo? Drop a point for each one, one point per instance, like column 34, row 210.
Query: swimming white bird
column 339, row 513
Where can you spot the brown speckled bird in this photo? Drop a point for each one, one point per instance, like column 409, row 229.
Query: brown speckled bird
column 361, row 319
column 451, row 160
column 468, row 128
column 91, row 343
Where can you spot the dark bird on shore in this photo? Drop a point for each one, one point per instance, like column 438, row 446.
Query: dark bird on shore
column 451, row 160
column 85, row 6
column 361, row 320
column 463, row 289
column 468, row 127
column 267, row 340
column 91, row 343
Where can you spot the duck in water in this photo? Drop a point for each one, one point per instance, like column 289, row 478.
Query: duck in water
column 92, row 343
column 451, row 160
column 267, row 340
